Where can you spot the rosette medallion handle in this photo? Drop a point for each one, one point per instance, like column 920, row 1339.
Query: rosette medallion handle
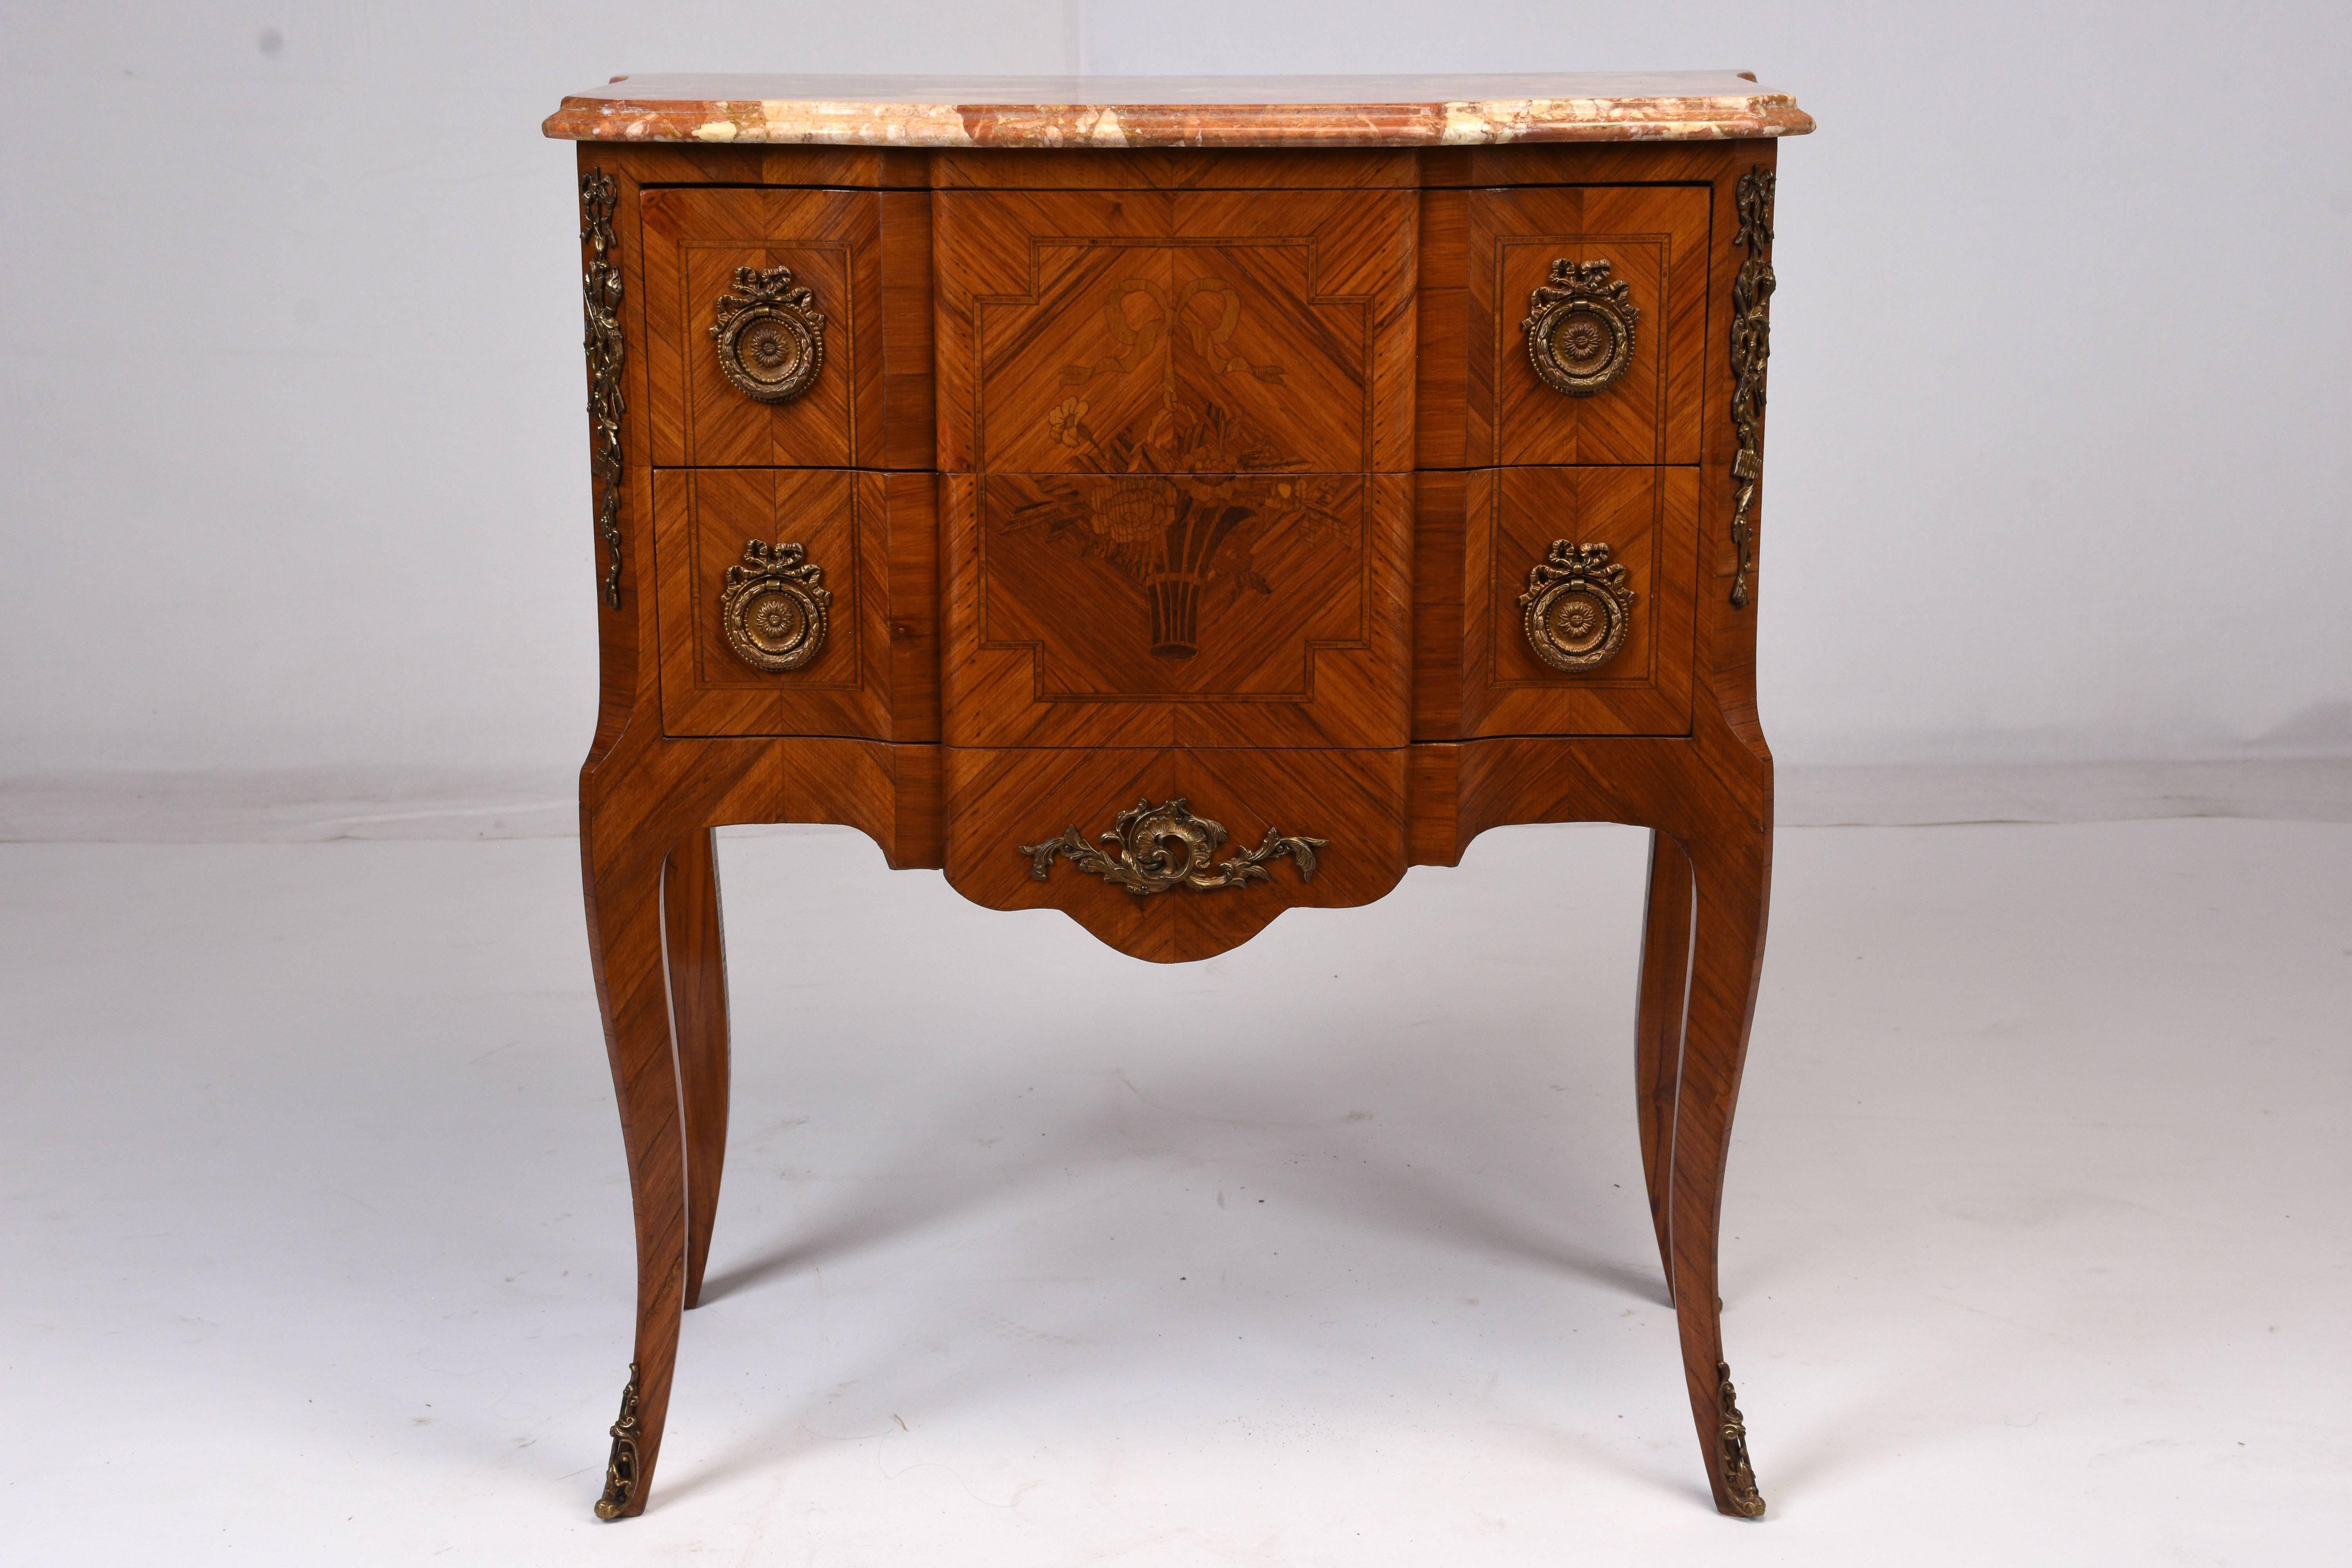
column 1579, row 328
column 776, row 608
column 769, row 335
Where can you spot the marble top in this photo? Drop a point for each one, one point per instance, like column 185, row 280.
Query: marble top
column 1178, row 111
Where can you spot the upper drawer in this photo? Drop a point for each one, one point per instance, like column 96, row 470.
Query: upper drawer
column 1563, row 324
column 744, row 369
column 1193, row 332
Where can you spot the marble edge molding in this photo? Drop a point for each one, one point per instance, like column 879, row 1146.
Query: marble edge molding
column 818, row 122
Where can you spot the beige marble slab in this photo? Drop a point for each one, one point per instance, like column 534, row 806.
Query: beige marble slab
column 1178, row 112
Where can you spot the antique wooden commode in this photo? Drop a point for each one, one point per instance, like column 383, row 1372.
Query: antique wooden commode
column 1172, row 501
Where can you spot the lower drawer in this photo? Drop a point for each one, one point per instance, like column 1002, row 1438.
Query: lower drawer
column 797, row 602
column 1049, row 829
column 1557, row 601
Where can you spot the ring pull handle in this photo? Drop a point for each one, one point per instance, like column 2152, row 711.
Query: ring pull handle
column 1579, row 328
column 775, row 608
column 1576, row 607
column 770, row 335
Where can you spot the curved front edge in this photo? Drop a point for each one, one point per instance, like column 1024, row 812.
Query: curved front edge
column 1007, row 810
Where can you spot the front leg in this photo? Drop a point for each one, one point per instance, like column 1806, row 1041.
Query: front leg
column 625, row 937
column 698, row 992
column 1658, row 1027
column 1733, row 873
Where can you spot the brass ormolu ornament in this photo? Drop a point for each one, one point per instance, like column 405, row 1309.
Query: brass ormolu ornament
column 1731, row 1435
column 1577, row 606
column 770, row 335
column 621, row 1470
column 601, row 302
column 1579, row 328
column 1751, row 346
column 1144, row 864
column 775, row 608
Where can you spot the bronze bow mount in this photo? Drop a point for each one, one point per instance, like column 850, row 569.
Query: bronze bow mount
column 770, row 335
column 776, row 607
column 1145, row 864
column 1576, row 607
column 1579, row 328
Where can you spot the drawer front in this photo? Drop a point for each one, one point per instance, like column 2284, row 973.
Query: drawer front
column 1025, row 829
column 1534, row 258
column 795, row 601
column 815, row 388
column 1203, row 332
column 1218, row 610
column 1579, row 641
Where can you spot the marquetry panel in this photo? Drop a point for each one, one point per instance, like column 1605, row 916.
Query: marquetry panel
column 874, row 536
column 1649, row 519
column 869, row 404
column 1116, row 331
column 997, row 802
column 1220, row 610
column 1484, row 254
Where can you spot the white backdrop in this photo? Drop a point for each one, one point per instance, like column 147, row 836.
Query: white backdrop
column 293, row 471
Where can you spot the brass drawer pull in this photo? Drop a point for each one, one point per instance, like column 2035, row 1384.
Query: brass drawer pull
column 770, row 335
column 1579, row 328
column 1144, row 866
column 775, row 606
column 1578, row 606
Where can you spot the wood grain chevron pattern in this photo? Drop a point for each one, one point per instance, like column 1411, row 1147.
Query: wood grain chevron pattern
column 873, row 534
column 864, row 256
column 1291, row 312
column 1649, row 519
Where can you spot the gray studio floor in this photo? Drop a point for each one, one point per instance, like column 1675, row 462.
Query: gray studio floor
column 1331, row 1250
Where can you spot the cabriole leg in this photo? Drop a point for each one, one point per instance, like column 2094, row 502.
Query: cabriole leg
column 624, row 925
column 1732, row 878
column 1658, row 1025
column 698, row 994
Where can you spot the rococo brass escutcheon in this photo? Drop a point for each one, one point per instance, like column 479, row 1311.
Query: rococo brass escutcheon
column 1145, row 864
column 1731, row 1436
column 1577, row 606
column 621, row 1470
column 1579, row 328
column 770, row 335
column 775, row 608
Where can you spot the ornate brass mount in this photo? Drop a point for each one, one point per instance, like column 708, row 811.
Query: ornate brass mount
column 1144, row 866
column 775, row 607
column 600, row 302
column 1579, row 328
column 1577, row 606
column 1731, row 1438
column 621, row 1470
column 1751, row 345
column 769, row 334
